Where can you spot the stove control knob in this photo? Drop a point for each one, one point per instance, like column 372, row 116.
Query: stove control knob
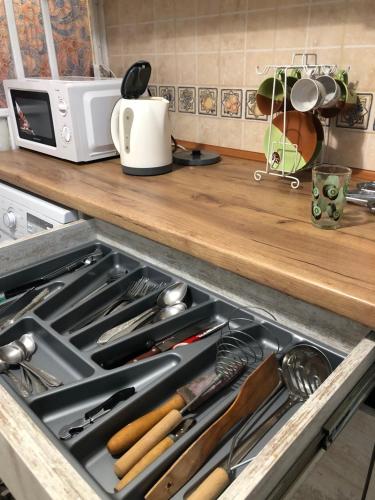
column 62, row 107
column 10, row 219
column 66, row 135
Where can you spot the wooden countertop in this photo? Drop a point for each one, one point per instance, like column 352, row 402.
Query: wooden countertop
column 220, row 214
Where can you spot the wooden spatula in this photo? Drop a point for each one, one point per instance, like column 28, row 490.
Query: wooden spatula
column 257, row 387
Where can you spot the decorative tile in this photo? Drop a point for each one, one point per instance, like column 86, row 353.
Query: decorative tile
column 252, row 111
column 169, row 93
column 186, row 100
column 153, row 90
column 231, row 103
column 207, row 101
column 357, row 117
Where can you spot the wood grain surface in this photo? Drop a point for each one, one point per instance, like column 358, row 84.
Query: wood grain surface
column 220, row 214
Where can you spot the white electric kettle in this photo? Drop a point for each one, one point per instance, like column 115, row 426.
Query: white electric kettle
column 140, row 126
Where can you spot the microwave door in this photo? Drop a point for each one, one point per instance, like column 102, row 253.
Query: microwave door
column 33, row 115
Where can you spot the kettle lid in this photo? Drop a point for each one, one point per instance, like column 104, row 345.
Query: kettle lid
column 136, row 79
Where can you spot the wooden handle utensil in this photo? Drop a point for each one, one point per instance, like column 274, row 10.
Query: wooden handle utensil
column 128, row 435
column 148, row 459
column 147, row 442
column 258, row 386
column 212, row 486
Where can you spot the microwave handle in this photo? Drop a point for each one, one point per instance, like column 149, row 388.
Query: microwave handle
column 115, row 120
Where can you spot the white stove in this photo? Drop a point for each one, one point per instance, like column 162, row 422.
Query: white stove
column 22, row 214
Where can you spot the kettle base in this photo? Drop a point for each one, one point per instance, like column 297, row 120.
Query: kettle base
column 148, row 170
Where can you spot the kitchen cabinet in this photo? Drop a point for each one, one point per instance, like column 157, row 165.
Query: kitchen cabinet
column 40, row 469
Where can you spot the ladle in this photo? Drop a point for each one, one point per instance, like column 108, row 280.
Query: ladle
column 166, row 304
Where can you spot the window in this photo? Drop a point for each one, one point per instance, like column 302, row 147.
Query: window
column 6, row 61
column 49, row 34
column 31, row 36
column 71, row 34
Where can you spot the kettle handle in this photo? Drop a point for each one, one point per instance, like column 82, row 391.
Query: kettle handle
column 115, row 120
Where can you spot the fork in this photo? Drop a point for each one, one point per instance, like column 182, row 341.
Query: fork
column 112, row 276
column 136, row 290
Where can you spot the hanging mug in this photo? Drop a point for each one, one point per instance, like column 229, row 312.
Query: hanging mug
column 332, row 91
column 307, row 94
column 276, row 86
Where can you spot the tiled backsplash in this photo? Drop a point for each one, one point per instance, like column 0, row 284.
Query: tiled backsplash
column 204, row 55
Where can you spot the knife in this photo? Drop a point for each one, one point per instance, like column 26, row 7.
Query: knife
column 37, row 299
column 84, row 261
column 152, row 439
column 14, row 306
column 158, row 450
column 179, row 339
column 132, row 432
column 70, row 430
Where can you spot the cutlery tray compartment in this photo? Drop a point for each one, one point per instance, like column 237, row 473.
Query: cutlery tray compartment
column 110, row 269
column 91, row 372
column 51, row 354
column 37, row 271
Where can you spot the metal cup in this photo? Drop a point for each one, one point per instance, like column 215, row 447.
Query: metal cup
column 332, row 91
column 307, row 94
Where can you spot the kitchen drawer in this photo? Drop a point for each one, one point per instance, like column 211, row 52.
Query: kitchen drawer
column 36, row 465
column 310, row 430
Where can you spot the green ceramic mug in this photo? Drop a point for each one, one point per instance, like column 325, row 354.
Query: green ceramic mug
column 277, row 86
column 330, row 183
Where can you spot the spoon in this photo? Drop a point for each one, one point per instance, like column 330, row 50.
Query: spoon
column 14, row 355
column 169, row 311
column 21, row 388
column 27, row 342
column 169, row 297
column 25, row 375
column 161, row 315
column 28, row 346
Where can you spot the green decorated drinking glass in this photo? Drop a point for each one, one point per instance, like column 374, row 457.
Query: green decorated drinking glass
column 330, row 183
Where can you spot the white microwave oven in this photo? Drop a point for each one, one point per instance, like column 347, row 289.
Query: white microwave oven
column 66, row 118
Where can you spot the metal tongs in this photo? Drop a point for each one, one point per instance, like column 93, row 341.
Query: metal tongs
column 364, row 195
column 70, row 430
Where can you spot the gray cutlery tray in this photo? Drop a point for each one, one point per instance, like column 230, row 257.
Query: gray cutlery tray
column 74, row 356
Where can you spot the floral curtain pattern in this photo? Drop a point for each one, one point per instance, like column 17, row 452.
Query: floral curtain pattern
column 6, row 61
column 71, row 33
column 31, row 37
